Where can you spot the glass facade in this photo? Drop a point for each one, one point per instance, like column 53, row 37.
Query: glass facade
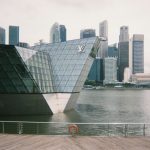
column 13, row 35
column 123, row 61
column 48, row 68
column 2, row 36
column 62, row 29
column 38, row 63
column 138, row 57
column 110, row 64
column 96, row 72
column 112, row 50
column 14, row 76
column 69, row 65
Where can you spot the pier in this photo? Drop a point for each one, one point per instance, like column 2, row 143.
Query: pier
column 48, row 142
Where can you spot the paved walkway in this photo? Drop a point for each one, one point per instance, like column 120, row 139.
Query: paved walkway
column 47, row 142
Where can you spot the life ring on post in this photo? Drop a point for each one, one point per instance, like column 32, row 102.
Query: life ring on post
column 73, row 129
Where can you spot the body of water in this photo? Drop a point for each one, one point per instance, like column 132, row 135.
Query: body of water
column 99, row 106
column 105, row 106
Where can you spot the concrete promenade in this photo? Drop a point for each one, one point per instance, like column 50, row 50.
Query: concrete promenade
column 47, row 142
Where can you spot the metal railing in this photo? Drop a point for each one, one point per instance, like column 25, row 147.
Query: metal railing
column 61, row 128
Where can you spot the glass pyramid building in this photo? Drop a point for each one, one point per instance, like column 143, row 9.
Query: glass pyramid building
column 45, row 79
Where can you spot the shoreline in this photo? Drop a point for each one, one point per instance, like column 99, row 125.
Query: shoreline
column 106, row 88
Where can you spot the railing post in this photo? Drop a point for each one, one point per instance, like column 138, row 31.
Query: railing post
column 37, row 128
column 20, row 127
column 144, row 130
column 126, row 130
column 108, row 129
column 3, row 127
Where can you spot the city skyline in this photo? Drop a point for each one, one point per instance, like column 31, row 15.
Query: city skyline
column 36, row 17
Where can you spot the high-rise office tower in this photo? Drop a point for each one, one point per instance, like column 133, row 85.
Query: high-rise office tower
column 123, row 49
column 103, row 33
column 62, row 33
column 124, row 34
column 110, row 68
column 123, row 58
column 103, row 29
column 13, row 35
column 96, row 71
column 137, row 53
column 57, row 33
column 86, row 33
column 2, row 35
column 113, row 50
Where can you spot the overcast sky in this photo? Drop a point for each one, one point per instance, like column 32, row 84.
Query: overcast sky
column 35, row 18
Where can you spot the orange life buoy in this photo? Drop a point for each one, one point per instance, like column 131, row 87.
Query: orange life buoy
column 73, row 129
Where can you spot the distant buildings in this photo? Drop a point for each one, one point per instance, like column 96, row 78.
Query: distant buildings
column 62, row 33
column 127, row 75
column 86, row 33
column 103, row 34
column 141, row 79
column 57, row 33
column 103, row 29
column 13, row 35
column 113, row 50
column 123, row 61
column 124, row 34
column 137, row 53
column 129, row 53
column 23, row 44
column 110, row 70
column 123, row 49
column 96, row 72
column 2, row 35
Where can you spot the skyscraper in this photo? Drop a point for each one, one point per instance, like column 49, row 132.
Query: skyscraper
column 13, row 35
column 96, row 71
column 86, row 33
column 62, row 33
column 103, row 33
column 57, row 33
column 2, row 35
column 124, row 34
column 123, row 48
column 103, row 29
column 110, row 64
column 123, row 58
column 137, row 53
column 113, row 50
